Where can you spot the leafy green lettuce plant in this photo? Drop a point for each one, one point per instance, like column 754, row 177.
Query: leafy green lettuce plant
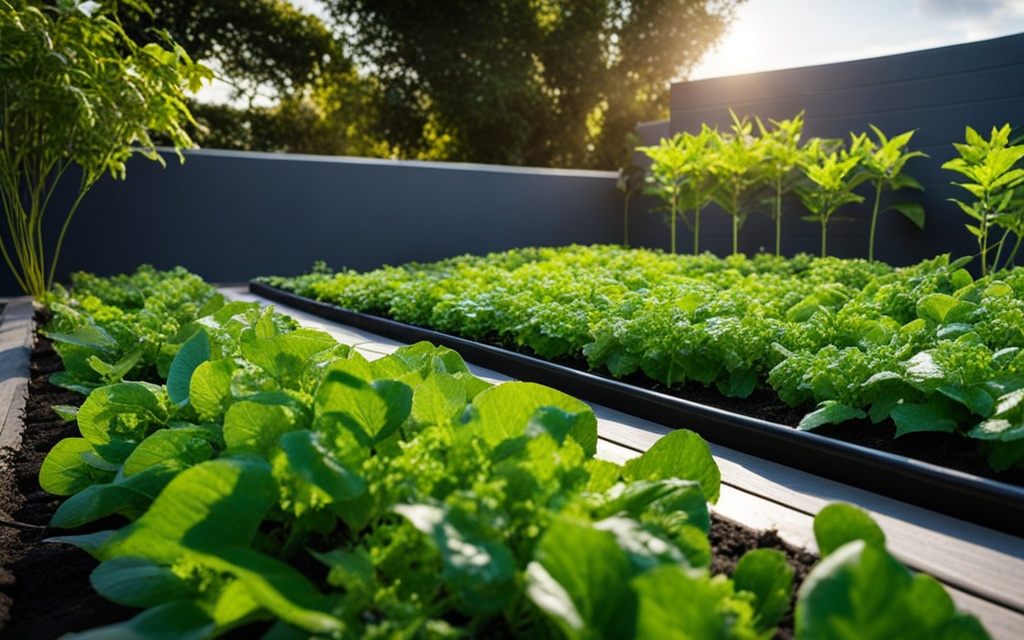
column 76, row 90
column 991, row 166
column 428, row 503
column 859, row 590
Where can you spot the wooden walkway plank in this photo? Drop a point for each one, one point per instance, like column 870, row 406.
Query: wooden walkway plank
column 16, row 331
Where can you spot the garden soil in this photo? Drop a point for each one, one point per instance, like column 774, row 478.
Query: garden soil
column 44, row 586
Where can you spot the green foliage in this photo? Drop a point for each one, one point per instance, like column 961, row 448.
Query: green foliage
column 833, row 176
column 75, row 90
column 991, row 167
column 737, row 169
column 435, row 500
column 332, row 496
column 859, row 590
column 927, row 346
column 528, row 83
column 883, row 162
column 741, row 172
column 780, row 157
column 681, row 174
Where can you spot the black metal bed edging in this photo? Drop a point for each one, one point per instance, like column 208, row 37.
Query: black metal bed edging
column 983, row 501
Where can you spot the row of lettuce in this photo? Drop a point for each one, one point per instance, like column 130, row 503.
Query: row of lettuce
column 273, row 480
column 928, row 346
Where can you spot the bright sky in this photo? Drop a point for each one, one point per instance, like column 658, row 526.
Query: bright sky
column 780, row 34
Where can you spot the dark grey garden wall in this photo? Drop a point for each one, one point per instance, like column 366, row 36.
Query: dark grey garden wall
column 230, row 216
column 937, row 92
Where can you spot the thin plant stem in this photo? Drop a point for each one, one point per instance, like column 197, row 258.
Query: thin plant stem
column 696, row 231
column 1013, row 254
column 874, row 222
column 778, row 216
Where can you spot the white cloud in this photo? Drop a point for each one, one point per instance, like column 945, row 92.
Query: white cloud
column 960, row 8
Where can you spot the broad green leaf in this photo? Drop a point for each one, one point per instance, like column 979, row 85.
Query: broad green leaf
column 209, row 390
column 766, row 574
column 193, row 353
column 839, row 523
column 376, row 409
column 938, row 413
column 210, row 514
column 479, row 569
column 177, row 620
column 275, row 585
column 129, row 496
column 912, row 211
column 65, row 380
column 505, row 411
column 941, row 308
column 91, row 543
column 66, row 412
column 312, row 474
column 644, row 549
column 682, row 499
column 186, row 445
column 138, row 582
column 740, row 384
column 829, row 412
column 89, row 335
column 65, row 471
column 680, row 604
column 340, row 378
column 998, row 429
column 975, row 398
column 122, row 413
column 283, row 356
column 78, row 347
column 216, row 504
column 861, row 591
column 679, row 454
column 256, row 427
column 440, row 399
column 580, row 578
column 111, row 373
column 421, row 356
column 923, row 372
column 603, row 474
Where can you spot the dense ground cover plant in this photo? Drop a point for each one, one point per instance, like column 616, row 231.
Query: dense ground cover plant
column 928, row 346
column 277, row 477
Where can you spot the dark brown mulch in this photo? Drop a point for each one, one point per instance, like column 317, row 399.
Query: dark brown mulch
column 44, row 587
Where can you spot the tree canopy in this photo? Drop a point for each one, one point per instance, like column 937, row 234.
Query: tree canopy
column 534, row 82
column 559, row 83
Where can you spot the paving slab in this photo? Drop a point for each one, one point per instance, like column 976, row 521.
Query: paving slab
column 16, row 331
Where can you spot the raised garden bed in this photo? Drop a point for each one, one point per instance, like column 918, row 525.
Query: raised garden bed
column 903, row 473
column 715, row 536
column 44, row 587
